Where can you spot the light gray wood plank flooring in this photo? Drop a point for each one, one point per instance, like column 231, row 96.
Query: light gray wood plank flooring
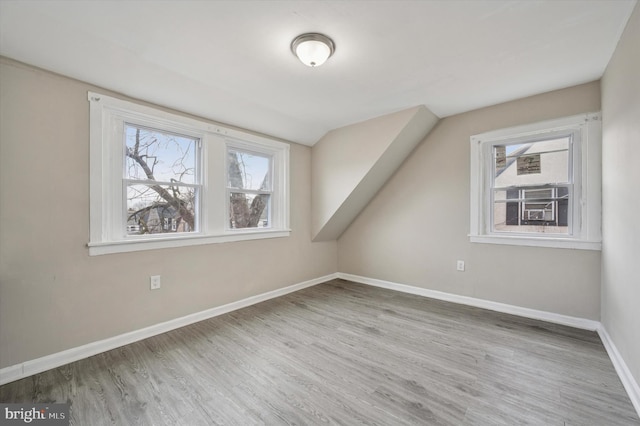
column 344, row 353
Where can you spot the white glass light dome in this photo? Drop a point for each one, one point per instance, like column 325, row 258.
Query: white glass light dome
column 312, row 49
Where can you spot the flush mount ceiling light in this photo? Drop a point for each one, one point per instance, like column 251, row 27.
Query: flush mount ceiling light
column 312, row 49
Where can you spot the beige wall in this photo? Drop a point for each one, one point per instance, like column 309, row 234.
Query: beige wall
column 53, row 296
column 621, row 196
column 416, row 227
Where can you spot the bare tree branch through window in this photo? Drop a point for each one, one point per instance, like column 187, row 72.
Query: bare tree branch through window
column 162, row 182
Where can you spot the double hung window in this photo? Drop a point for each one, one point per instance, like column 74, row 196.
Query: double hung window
column 248, row 188
column 538, row 184
column 527, row 197
column 163, row 180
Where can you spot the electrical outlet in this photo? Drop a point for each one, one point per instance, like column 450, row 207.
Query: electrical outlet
column 155, row 282
column 460, row 265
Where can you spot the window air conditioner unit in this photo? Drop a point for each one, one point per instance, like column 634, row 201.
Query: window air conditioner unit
column 535, row 214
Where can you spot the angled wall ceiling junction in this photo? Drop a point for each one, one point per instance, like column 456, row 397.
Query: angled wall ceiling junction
column 350, row 164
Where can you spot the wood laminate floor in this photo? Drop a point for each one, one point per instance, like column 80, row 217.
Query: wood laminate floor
column 344, row 353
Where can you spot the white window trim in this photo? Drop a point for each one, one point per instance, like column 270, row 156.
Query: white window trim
column 279, row 214
column 587, row 203
column 106, row 235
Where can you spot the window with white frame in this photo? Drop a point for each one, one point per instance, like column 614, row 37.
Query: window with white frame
column 538, row 184
column 163, row 180
column 249, row 190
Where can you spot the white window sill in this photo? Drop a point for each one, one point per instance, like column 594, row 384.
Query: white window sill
column 552, row 242
column 123, row 246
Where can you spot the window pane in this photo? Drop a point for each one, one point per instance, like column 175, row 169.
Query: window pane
column 541, row 162
column 160, row 209
column 526, row 210
column 160, row 156
column 248, row 171
column 249, row 210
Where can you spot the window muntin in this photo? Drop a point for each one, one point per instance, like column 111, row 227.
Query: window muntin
column 161, row 181
column 193, row 171
column 552, row 198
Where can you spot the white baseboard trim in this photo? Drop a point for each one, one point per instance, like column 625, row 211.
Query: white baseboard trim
column 38, row 365
column 575, row 322
column 627, row 379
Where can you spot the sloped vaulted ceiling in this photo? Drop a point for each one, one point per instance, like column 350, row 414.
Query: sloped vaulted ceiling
column 230, row 61
column 350, row 164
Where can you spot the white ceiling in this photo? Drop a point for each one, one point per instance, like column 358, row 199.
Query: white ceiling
column 230, row 60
